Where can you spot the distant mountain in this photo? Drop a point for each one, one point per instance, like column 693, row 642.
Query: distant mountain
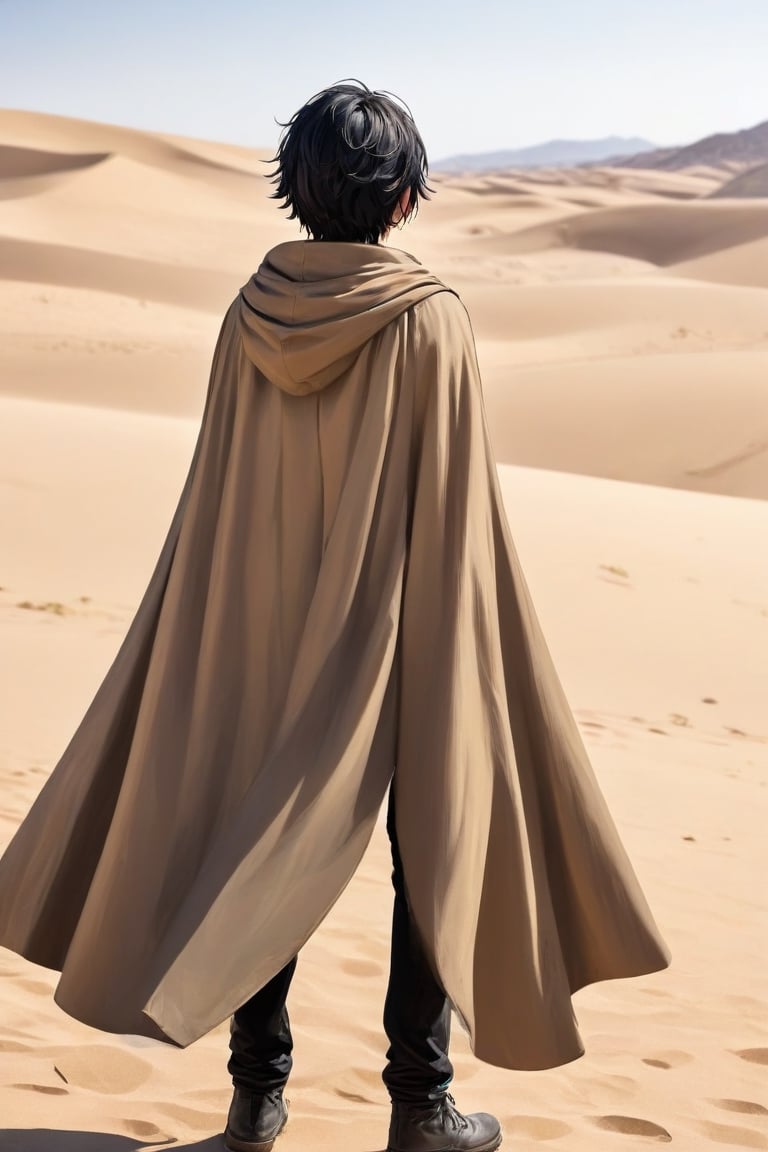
column 747, row 147
column 553, row 154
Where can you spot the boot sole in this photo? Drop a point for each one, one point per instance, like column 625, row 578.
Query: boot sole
column 234, row 1145
column 490, row 1146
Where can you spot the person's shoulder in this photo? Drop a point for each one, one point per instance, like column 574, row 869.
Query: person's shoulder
column 443, row 301
column 440, row 315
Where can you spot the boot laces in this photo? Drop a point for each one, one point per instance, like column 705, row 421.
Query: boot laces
column 458, row 1121
column 257, row 1099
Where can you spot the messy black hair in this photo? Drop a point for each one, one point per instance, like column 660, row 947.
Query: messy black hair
column 344, row 161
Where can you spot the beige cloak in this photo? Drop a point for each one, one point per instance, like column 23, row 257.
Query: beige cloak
column 338, row 598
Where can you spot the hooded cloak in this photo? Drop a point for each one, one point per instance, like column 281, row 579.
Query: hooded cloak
column 338, row 599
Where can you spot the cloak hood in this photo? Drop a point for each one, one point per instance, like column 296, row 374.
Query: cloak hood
column 313, row 305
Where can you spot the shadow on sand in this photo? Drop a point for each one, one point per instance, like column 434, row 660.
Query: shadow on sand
column 51, row 1140
column 57, row 1140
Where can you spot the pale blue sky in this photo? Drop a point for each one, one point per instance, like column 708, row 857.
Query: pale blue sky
column 478, row 74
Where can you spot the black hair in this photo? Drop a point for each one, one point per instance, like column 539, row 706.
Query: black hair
column 344, row 161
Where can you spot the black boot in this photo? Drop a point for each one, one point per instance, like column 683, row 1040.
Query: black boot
column 255, row 1120
column 438, row 1126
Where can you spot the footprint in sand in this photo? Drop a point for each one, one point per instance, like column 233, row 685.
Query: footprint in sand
column 748, row 1107
column 536, row 1127
column 679, row 720
column 614, row 574
column 592, row 730
column 633, row 1126
column 354, row 1097
column 668, row 1059
column 732, row 1134
column 100, row 1068
column 361, row 968
column 753, row 1055
column 46, row 1089
column 146, row 1130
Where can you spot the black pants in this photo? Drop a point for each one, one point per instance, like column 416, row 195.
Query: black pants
column 416, row 1017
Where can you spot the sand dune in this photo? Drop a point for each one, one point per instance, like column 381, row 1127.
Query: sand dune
column 77, row 346
column 743, row 264
column 32, row 171
column 686, row 184
column 573, row 188
column 198, row 288
column 654, row 310
column 661, row 233
column 253, row 160
column 662, row 382
column 563, row 183
column 119, row 250
column 150, row 212
column 537, row 188
column 43, row 130
column 658, row 419
column 21, row 163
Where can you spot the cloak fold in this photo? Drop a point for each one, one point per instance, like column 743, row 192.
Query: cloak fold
column 338, row 599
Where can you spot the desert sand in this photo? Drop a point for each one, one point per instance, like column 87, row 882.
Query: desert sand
column 622, row 328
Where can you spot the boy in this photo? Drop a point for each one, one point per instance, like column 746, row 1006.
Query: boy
column 338, row 607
